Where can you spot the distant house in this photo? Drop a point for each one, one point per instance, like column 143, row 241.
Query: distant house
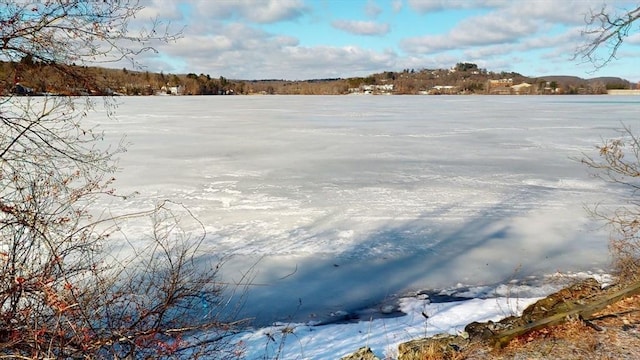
column 173, row 90
column 443, row 90
column 623, row 92
column 501, row 82
column 500, row 86
column 385, row 87
column 522, row 88
column 376, row 89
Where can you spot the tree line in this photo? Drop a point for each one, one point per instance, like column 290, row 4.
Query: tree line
column 34, row 77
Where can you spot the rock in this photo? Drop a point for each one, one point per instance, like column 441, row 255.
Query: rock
column 484, row 331
column 478, row 330
column 364, row 353
column 388, row 309
column 442, row 346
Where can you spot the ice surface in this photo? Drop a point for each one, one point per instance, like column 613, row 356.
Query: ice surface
column 341, row 202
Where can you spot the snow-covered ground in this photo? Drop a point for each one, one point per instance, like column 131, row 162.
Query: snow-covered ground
column 338, row 203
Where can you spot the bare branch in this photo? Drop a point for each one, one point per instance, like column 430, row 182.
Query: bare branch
column 605, row 30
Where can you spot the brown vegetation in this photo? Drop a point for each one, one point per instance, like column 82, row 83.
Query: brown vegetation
column 86, row 80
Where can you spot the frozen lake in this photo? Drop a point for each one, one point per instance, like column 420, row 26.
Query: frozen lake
column 341, row 202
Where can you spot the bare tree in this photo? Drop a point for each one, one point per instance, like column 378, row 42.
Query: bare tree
column 606, row 29
column 75, row 31
column 618, row 160
column 63, row 293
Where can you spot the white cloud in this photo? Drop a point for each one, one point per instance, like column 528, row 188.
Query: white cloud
column 556, row 12
column 478, row 31
column 326, row 62
column 535, row 24
column 259, row 11
column 239, row 51
column 633, row 39
column 273, row 10
column 396, row 5
column 488, row 52
column 372, row 10
column 567, row 12
column 424, row 6
column 166, row 10
column 361, row 27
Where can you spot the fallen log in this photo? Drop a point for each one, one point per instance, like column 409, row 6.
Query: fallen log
column 571, row 310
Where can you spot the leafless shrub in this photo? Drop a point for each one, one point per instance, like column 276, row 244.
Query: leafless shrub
column 618, row 162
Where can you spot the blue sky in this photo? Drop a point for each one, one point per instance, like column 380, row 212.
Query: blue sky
column 308, row 39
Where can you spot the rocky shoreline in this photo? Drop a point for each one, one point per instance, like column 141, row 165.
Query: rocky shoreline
column 586, row 301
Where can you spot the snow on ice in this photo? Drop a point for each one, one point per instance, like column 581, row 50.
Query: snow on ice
column 333, row 204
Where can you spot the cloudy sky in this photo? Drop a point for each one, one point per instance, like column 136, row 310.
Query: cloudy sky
column 310, row 39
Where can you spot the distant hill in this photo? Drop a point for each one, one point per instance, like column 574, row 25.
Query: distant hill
column 606, row 83
column 27, row 77
column 563, row 79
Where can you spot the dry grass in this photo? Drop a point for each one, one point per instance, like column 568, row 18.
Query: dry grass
column 435, row 351
column 625, row 253
column 614, row 334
